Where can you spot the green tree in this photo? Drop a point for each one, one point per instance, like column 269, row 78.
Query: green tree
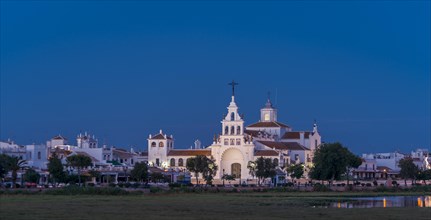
column 331, row 161
column 140, row 172
column 265, row 168
column 408, row 169
column 252, row 168
column 196, row 165
column 79, row 162
column 14, row 164
column 296, row 170
column 424, row 175
column 56, row 169
column 352, row 162
column 210, row 170
column 94, row 174
column 228, row 177
column 3, row 166
column 156, row 177
column 31, row 176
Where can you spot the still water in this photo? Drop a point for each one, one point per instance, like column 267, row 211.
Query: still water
column 383, row 202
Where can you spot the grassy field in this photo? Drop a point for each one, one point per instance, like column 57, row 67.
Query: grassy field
column 195, row 206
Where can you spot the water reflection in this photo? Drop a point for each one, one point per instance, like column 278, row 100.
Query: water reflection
column 384, row 202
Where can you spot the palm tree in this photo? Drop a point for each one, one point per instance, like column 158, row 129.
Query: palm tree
column 14, row 164
column 79, row 161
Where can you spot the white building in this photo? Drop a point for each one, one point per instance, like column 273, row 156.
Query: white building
column 237, row 145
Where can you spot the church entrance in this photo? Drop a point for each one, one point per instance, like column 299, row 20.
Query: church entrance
column 236, row 170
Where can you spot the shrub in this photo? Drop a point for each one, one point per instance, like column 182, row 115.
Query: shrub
column 127, row 185
column 136, row 185
column 368, row 184
column 90, row 184
column 174, row 185
column 121, row 185
column 374, row 183
column 112, row 185
column 320, row 188
column 394, row 182
column 155, row 189
column 76, row 190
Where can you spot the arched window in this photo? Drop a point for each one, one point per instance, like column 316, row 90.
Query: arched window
column 172, row 162
column 180, row 162
column 226, row 130
column 161, row 144
column 276, row 161
column 153, row 144
column 232, row 130
column 238, row 130
column 39, row 155
column 232, row 116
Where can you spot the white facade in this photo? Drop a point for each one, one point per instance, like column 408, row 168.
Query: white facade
column 238, row 145
column 37, row 156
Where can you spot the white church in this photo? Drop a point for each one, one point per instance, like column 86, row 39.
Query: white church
column 237, row 144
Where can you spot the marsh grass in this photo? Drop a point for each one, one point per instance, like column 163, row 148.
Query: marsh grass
column 270, row 205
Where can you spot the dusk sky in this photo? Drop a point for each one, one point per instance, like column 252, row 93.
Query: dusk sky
column 124, row 70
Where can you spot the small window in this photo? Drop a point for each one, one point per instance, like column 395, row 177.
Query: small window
column 232, row 141
column 232, row 130
column 226, row 141
column 238, row 130
column 157, row 162
column 29, row 155
column 131, row 161
column 180, row 162
column 172, row 162
column 232, row 116
column 238, row 141
column 39, row 155
column 161, row 144
column 276, row 161
column 121, row 160
column 153, row 144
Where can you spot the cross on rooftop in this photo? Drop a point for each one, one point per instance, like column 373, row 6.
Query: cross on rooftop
column 233, row 84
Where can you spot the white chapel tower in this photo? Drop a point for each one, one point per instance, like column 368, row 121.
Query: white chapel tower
column 232, row 151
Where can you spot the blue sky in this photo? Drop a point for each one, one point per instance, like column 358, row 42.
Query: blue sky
column 123, row 70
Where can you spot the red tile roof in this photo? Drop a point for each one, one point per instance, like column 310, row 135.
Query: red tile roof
column 59, row 137
column 190, row 152
column 295, row 135
column 88, row 155
column 283, row 145
column 160, row 137
column 271, row 124
column 123, row 154
column 265, row 153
